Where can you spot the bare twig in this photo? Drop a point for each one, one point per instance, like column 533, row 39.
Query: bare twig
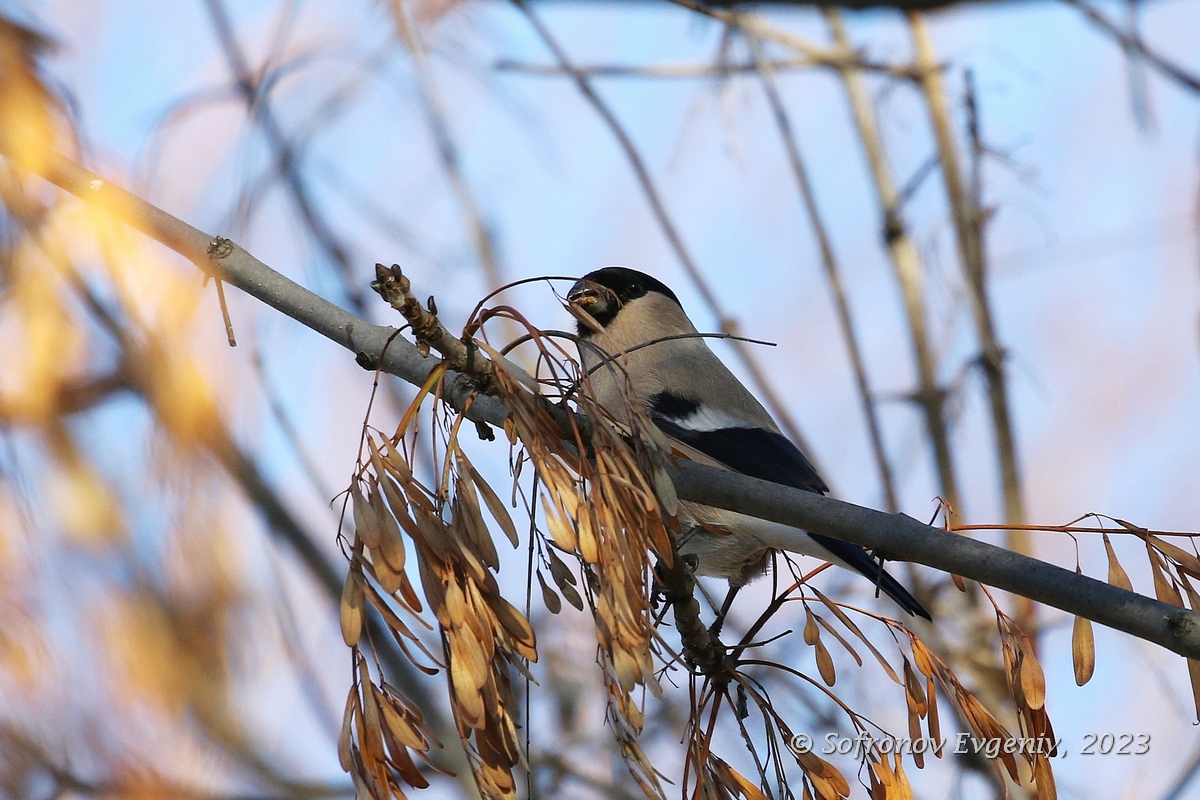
column 834, row 61
column 988, row 526
column 258, row 106
column 839, row 58
column 1134, row 44
column 965, row 203
column 832, row 273
column 992, row 352
column 907, row 264
column 461, row 354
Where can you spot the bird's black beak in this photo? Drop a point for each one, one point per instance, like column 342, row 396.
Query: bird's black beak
column 590, row 302
column 591, row 297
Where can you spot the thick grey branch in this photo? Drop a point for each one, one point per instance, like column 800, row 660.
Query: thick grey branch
column 903, row 538
column 900, row 537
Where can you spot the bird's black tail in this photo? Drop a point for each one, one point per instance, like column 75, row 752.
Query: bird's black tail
column 858, row 559
column 895, row 590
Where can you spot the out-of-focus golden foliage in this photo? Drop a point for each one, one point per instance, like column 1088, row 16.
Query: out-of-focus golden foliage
column 33, row 376
column 90, row 313
column 30, row 113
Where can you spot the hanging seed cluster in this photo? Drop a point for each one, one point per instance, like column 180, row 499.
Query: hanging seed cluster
column 606, row 511
column 600, row 508
column 381, row 728
column 1027, row 685
column 482, row 633
column 921, row 677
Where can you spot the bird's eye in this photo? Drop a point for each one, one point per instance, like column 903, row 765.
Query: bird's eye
column 636, row 289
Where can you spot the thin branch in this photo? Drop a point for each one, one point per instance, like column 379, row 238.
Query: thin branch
column 1133, row 44
column 992, row 352
column 904, row 538
column 908, row 268
column 834, row 61
column 966, row 205
column 832, row 272
column 996, row 526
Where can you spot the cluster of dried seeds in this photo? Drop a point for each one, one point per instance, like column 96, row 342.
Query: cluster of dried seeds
column 600, row 506
column 482, row 633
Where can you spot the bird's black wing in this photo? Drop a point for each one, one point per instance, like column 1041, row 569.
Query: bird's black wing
column 769, row 456
column 756, row 452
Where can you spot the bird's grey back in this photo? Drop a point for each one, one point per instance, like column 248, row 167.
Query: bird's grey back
column 663, row 365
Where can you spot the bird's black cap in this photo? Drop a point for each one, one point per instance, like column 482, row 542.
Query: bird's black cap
column 623, row 283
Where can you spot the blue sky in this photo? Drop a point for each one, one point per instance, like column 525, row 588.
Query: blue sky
column 1092, row 247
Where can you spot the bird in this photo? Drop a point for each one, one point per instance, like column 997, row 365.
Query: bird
column 637, row 345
